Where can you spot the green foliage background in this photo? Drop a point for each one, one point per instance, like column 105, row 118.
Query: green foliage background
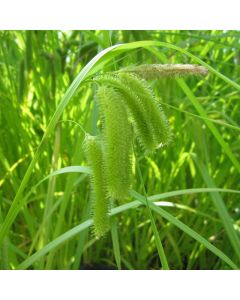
column 36, row 69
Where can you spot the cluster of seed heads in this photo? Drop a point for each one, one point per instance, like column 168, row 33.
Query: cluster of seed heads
column 127, row 107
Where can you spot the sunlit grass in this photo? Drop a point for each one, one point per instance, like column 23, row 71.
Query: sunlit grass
column 47, row 225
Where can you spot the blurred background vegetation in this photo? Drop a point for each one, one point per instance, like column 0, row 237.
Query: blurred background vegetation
column 36, row 68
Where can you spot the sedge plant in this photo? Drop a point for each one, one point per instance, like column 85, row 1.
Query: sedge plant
column 42, row 229
column 128, row 107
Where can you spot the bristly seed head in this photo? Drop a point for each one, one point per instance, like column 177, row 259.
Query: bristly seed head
column 124, row 98
column 100, row 202
column 116, row 140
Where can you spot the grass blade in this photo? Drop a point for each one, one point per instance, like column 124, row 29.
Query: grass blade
column 210, row 125
column 115, row 241
column 222, row 210
column 18, row 200
column 134, row 204
column 187, row 230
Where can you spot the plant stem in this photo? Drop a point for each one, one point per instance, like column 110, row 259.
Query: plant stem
column 158, row 241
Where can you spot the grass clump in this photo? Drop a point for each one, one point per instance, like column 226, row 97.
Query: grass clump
column 45, row 215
